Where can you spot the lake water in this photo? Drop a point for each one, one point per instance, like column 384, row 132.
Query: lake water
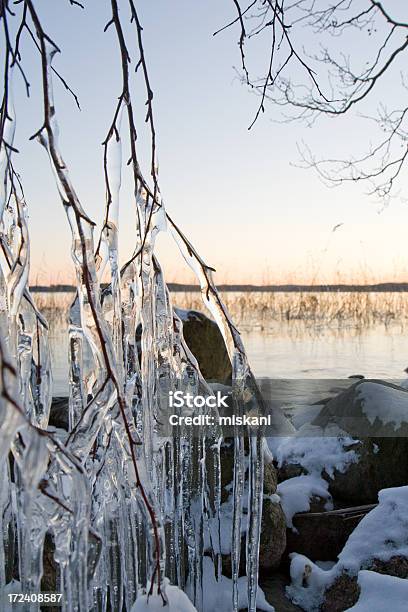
column 284, row 349
column 376, row 352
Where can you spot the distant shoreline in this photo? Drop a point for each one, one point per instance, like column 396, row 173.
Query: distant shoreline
column 339, row 288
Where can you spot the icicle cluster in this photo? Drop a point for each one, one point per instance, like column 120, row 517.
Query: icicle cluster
column 115, row 504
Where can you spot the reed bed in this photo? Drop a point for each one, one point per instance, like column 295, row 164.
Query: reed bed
column 318, row 310
column 264, row 310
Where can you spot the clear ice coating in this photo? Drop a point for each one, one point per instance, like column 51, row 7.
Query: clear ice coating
column 112, row 505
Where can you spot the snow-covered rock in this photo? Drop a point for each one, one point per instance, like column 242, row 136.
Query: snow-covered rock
column 303, row 493
column 312, row 450
column 369, row 408
column 177, row 602
column 357, row 442
column 376, row 413
column 380, row 541
column 379, row 592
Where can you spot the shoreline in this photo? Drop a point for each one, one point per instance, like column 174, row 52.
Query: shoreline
column 295, row 288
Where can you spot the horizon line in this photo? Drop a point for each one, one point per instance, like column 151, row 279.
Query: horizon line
column 383, row 287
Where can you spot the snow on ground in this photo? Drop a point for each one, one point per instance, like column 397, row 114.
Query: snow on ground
column 296, row 494
column 221, row 530
column 218, row 595
column 314, row 451
column 382, row 534
column 385, row 403
column 380, row 592
column 178, row 602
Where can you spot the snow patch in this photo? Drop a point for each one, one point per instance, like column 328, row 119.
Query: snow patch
column 178, row 602
column 296, row 494
column 316, row 450
column 309, row 582
column 387, row 404
column 380, row 592
column 218, row 595
column 382, row 534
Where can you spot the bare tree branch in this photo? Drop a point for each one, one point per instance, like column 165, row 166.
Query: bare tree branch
column 308, row 84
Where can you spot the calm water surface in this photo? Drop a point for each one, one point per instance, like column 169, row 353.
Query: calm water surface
column 376, row 353
column 294, row 350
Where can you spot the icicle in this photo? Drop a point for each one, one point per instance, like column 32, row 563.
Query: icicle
column 123, row 503
column 245, row 390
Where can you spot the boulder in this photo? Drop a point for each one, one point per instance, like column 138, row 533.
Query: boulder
column 274, row 587
column 367, row 409
column 345, row 590
column 321, row 536
column 273, row 535
column 205, row 341
column 382, row 463
column 59, row 413
column 378, row 544
column 376, row 413
column 273, row 530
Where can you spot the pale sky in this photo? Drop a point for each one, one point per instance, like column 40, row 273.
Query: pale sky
column 251, row 213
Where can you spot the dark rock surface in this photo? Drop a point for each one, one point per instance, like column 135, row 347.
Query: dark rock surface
column 383, row 463
column 59, row 413
column 341, row 595
column 274, row 589
column 347, row 410
column 273, row 535
column 321, row 536
column 205, row 341
column 382, row 449
column 273, row 530
column 345, row 591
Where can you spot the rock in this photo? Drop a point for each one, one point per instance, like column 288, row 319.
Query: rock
column 274, row 588
column 289, row 470
column 345, row 591
column 270, row 479
column 374, row 412
column 382, row 463
column 378, row 544
column 341, row 595
column 321, row 536
column 59, row 413
column 205, row 341
column 273, row 530
column 273, row 535
column 396, row 566
column 368, row 408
